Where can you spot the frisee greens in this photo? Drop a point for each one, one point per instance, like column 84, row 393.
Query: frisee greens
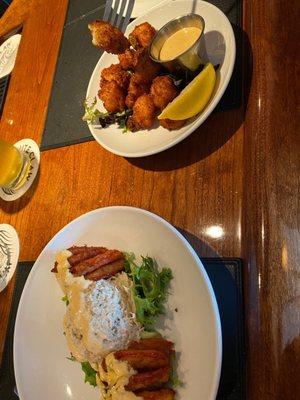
column 91, row 114
column 150, row 287
column 90, row 373
column 119, row 118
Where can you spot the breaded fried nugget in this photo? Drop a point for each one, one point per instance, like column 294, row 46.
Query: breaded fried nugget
column 108, row 37
column 127, row 59
column 143, row 114
column 163, row 91
column 145, row 66
column 142, row 35
column 162, row 394
column 149, row 379
column 113, row 96
column 171, row 124
column 139, row 61
column 137, row 86
column 143, row 359
column 117, row 74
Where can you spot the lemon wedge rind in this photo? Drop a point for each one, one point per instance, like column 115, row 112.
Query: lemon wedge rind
column 193, row 98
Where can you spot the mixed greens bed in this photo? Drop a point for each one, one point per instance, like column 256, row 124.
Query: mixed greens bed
column 150, row 288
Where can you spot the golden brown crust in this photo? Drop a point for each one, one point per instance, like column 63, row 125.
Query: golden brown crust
column 171, row 124
column 108, row 37
column 143, row 112
column 146, row 67
column 142, row 35
column 163, row 91
column 137, row 87
column 112, row 96
column 143, row 359
column 116, row 73
column 127, row 59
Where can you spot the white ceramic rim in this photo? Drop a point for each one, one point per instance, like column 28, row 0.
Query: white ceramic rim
column 214, row 304
column 202, row 117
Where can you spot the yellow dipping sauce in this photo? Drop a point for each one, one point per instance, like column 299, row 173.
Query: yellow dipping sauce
column 179, row 42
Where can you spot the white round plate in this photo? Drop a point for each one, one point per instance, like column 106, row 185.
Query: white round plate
column 41, row 368
column 9, row 253
column 220, row 44
column 8, row 54
column 31, row 149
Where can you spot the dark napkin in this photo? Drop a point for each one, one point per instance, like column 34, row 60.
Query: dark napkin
column 77, row 60
column 226, row 279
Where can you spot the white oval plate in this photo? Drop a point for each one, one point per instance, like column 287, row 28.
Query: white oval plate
column 41, row 368
column 220, row 45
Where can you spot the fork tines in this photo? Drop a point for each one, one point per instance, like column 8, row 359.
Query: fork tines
column 118, row 12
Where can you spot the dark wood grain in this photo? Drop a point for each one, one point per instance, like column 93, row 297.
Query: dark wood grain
column 232, row 187
column 270, row 238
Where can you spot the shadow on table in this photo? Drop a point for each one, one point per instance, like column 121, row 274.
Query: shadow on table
column 217, row 129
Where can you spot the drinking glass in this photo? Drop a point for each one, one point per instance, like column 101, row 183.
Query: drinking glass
column 14, row 166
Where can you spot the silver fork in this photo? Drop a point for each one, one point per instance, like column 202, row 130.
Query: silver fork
column 114, row 11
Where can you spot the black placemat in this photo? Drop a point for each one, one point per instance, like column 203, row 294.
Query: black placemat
column 226, row 279
column 3, row 90
column 77, row 59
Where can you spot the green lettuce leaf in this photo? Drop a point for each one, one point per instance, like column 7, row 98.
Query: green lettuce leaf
column 150, row 288
column 90, row 373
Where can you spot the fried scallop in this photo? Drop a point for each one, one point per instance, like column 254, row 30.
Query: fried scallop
column 138, row 86
column 142, row 35
column 108, row 37
column 171, row 124
column 116, row 73
column 127, row 59
column 113, row 96
column 145, row 66
column 163, row 91
column 143, row 114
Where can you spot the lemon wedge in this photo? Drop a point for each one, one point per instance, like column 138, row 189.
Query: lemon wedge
column 193, row 97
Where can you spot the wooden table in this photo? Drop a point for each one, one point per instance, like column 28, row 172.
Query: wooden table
column 239, row 171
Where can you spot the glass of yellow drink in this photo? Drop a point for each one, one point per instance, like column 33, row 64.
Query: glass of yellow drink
column 14, row 166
